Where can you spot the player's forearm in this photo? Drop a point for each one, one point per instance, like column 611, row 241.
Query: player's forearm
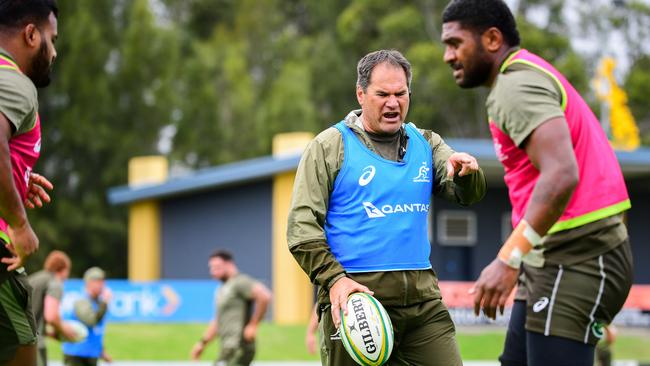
column 550, row 197
column 210, row 332
column 317, row 260
column 53, row 318
column 11, row 207
column 56, row 323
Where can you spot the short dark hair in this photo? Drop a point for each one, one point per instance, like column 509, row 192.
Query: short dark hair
column 479, row 15
column 369, row 61
column 18, row 13
column 223, row 254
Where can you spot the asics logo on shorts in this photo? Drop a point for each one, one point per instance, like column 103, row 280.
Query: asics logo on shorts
column 368, row 174
column 540, row 304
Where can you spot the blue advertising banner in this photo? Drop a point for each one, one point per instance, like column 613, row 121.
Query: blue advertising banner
column 157, row 301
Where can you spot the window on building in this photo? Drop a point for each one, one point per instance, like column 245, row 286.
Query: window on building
column 456, row 228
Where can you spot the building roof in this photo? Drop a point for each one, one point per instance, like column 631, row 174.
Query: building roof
column 633, row 164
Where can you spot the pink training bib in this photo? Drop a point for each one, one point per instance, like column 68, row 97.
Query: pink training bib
column 601, row 191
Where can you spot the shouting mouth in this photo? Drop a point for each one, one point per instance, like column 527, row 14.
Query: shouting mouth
column 391, row 116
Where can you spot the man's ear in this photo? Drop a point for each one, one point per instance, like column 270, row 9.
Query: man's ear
column 492, row 39
column 32, row 35
column 360, row 95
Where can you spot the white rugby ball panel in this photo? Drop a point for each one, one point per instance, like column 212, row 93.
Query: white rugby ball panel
column 80, row 330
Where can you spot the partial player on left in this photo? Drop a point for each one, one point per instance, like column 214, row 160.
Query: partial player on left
column 28, row 30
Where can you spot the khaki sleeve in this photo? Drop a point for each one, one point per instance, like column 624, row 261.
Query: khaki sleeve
column 55, row 289
column 317, row 171
column 523, row 99
column 18, row 100
column 84, row 311
column 244, row 287
column 465, row 190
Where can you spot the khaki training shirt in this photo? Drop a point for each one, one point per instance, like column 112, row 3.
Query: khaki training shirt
column 234, row 306
column 317, row 171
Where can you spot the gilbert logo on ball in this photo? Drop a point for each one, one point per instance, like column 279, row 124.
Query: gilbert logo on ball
column 366, row 332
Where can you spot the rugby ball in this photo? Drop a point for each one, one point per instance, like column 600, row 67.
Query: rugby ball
column 80, row 330
column 366, row 332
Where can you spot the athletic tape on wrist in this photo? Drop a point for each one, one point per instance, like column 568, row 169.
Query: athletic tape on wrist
column 519, row 243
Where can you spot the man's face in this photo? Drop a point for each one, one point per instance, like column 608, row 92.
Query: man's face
column 385, row 103
column 41, row 66
column 465, row 54
column 95, row 288
column 218, row 268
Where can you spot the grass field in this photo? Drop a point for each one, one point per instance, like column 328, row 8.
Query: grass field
column 174, row 341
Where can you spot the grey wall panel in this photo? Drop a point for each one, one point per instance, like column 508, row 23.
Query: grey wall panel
column 235, row 218
column 639, row 229
column 464, row 263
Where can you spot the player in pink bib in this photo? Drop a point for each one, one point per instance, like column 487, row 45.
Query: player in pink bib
column 566, row 190
column 28, row 29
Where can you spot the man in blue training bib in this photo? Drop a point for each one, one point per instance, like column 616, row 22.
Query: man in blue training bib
column 358, row 218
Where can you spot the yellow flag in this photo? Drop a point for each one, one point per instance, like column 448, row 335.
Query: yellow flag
column 624, row 134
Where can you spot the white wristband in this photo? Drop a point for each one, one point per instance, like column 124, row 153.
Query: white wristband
column 531, row 235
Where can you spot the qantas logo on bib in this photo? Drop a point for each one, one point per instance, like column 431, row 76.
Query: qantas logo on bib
column 400, row 208
column 372, row 211
column 366, row 177
column 540, row 304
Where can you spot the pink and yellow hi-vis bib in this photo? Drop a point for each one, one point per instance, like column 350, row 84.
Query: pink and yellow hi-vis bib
column 601, row 191
column 24, row 149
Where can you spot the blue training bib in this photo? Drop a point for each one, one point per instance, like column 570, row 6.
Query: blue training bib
column 377, row 214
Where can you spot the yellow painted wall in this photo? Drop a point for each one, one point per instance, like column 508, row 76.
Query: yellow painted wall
column 144, row 220
column 292, row 291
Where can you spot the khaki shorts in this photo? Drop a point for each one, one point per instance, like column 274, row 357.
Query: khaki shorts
column 424, row 336
column 240, row 356
column 575, row 301
column 17, row 326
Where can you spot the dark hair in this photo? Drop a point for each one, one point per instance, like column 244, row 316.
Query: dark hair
column 223, row 254
column 479, row 15
column 369, row 61
column 18, row 13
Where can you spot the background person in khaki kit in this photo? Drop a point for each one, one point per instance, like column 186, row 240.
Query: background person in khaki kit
column 241, row 304
column 47, row 292
column 566, row 189
column 358, row 218
column 28, row 30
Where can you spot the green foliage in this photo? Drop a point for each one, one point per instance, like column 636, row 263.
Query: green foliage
column 637, row 86
column 112, row 93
